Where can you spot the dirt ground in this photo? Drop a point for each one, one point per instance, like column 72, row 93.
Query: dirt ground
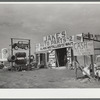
column 44, row 78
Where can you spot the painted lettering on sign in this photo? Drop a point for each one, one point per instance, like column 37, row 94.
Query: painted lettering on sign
column 68, row 44
column 83, row 48
column 80, row 45
column 58, row 38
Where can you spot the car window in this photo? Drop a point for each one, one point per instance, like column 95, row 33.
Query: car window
column 98, row 59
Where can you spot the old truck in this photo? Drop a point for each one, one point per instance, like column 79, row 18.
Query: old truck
column 97, row 66
column 21, row 44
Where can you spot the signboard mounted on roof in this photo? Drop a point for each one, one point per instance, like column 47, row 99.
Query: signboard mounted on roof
column 58, row 40
column 88, row 36
column 83, row 48
column 78, row 38
column 57, row 46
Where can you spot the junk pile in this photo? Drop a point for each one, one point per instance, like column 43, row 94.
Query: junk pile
column 20, row 62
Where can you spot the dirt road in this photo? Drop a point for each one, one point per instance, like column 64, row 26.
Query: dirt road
column 44, row 78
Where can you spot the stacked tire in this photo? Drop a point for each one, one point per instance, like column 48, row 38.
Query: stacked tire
column 21, row 61
column 11, row 58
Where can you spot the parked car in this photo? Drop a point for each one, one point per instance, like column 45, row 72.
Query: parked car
column 21, row 44
column 97, row 66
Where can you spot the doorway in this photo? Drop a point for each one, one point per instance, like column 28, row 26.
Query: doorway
column 42, row 58
column 61, row 53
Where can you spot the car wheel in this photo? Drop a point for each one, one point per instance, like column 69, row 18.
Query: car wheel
column 16, row 48
column 26, row 48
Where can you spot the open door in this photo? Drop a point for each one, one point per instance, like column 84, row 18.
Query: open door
column 61, row 53
column 42, row 59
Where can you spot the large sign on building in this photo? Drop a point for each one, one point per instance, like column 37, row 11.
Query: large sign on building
column 56, row 41
column 57, row 46
column 58, row 38
column 83, row 48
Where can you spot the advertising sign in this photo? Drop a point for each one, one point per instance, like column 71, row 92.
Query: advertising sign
column 78, row 38
column 83, row 48
column 58, row 38
column 89, row 36
column 52, row 58
column 4, row 53
column 57, row 46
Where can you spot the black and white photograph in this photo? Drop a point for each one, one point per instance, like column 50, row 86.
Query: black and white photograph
column 49, row 45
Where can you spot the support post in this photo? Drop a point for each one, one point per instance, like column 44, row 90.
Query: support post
column 11, row 51
column 75, row 58
column 92, row 64
column 56, row 58
column 29, row 52
column 72, row 56
column 84, row 60
column 46, row 59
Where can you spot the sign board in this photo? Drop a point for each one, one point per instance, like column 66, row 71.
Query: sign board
column 83, row 48
column 52, row 60
column 57, row 46
column 78, row 38
column 58, row 38
column 56, row 41
column 89, row 36
column 4, row 53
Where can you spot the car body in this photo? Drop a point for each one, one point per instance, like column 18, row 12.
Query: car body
column 21, row 45
column 97, row 66
column 97, row 62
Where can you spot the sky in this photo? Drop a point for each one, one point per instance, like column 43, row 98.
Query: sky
column 33, row 21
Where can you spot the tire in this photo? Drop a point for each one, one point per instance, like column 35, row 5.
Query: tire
column 20, row 54
column 11, row 58
column 21, row 61
column 16, row 47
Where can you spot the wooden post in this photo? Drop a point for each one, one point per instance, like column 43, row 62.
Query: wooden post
column 11, row 51
column 79, row 66
column 92, row 64
column 56, row 58
column 39, row 59
column 29, row 52
column 75, row 66
column 75, row 70
column 84, row 60
column 46, row 59
column 72, row 56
